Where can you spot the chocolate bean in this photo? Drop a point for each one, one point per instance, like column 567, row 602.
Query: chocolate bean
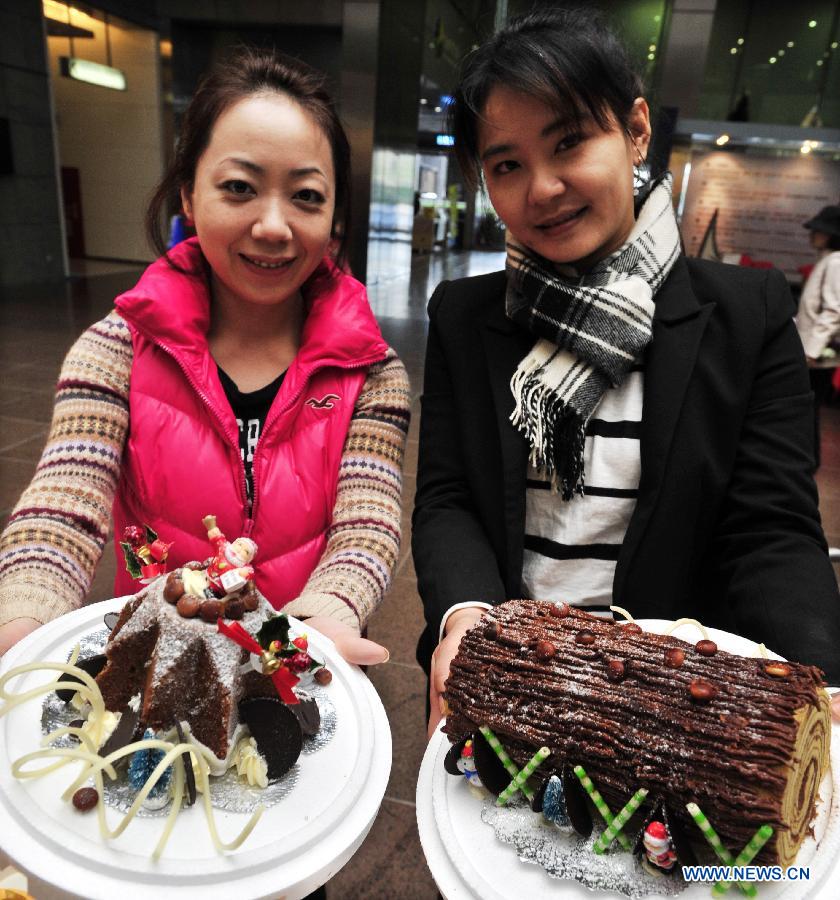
column 674, row 657
column 585, row 638
column 211, row 610
column 560, row 610
column 706, row 648
column 188, row 606
column 615, row 670
column 250, row 599
column 234, row 608
column 85, row 799
column 777, row 669
column 323, row 676
column 545, row 650
column 174, row 588
column 701, row 691
column 492, row 630
column 632, row 628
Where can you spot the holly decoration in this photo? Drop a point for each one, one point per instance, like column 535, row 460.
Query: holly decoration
column 145, row 553
column 293, row 655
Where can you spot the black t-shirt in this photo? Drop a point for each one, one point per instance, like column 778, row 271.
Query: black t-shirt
column 250, row 410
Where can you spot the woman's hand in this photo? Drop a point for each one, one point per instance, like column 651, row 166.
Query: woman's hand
column 457, row 625
column 835, row 707
column 15, row 631
column 353, row 648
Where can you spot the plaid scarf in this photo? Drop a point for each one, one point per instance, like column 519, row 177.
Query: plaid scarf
column 590, row 331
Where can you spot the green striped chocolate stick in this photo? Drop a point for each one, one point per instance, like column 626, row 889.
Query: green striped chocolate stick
column 519, row 780
column 755, row 843
column 714, row 842
column 600, row 803
column 612, row 830
column 507, row 762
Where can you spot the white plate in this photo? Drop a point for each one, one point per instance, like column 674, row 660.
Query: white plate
column 298, row 844
column 469, row 863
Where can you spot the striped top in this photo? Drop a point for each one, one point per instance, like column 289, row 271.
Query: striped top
column 55, row 535
column 571, row 547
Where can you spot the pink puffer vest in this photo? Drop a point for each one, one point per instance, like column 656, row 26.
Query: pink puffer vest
column 182, row 458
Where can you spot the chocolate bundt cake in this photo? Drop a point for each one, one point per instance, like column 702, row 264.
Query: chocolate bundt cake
column 182, row 668
column 746, row 739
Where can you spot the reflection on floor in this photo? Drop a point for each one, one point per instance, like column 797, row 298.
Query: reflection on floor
column 36, row 328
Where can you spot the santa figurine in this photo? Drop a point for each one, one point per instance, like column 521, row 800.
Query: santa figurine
column 230, row 569
column 658, row 847
column 466, row 764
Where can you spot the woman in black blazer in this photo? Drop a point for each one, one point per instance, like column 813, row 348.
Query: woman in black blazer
column 608, row 421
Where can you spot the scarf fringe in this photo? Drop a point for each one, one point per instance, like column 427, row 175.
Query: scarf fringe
column 553, row 428
column 599, row 325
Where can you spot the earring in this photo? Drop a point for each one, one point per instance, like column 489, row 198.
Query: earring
column 641, row 176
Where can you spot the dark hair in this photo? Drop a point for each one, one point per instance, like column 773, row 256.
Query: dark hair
column 568, row 59
column 248, row 71
column 833, row 242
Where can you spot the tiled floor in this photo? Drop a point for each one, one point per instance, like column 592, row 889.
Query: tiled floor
column 37, row 326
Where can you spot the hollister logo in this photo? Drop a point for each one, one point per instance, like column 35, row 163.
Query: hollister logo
column 325, row 402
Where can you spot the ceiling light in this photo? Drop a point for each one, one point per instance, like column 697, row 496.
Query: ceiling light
column 733, row 50
column 740, row 42
column 805, row 148
column 722, row 140
column 772, row 60
column 790, row 43
column 423, row 101
column 812, row 23
column 92, row 73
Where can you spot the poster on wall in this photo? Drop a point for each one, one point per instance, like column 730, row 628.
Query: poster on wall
column 762, row 202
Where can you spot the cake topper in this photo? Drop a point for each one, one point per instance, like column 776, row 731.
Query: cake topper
column 230, row 570
column 145, row 553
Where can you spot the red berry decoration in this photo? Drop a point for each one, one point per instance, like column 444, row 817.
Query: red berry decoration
column 134, row 535
column 85, row 799
column 585, row 638
column 674, row 657
column 706, row 648
column 300, row 662
column 301, row 642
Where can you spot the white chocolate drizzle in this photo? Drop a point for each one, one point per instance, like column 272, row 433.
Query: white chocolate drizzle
column 92, row 737
column 699, row 625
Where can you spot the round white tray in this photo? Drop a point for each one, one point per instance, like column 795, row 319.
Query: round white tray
column 469, row 863
column 297, row 845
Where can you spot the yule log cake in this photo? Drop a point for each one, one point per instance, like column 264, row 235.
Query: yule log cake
column 746, row 739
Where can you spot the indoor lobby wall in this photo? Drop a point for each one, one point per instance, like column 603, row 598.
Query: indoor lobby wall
column 31, row 239
column 114, row 138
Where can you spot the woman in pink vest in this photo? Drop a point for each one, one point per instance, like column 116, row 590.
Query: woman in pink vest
column 244, row 377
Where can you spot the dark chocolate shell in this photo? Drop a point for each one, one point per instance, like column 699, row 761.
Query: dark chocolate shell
column 494, row 776
column 577, row 807
column 276, row 730
column 537, row 802
column 189, row 775
column 93, row 665
column 308, row 715
column 124, row 733
column 450, row 762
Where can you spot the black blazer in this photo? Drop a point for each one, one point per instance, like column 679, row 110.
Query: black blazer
column 726, row 527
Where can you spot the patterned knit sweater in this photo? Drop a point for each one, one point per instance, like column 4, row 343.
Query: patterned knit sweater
column 56, row 533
